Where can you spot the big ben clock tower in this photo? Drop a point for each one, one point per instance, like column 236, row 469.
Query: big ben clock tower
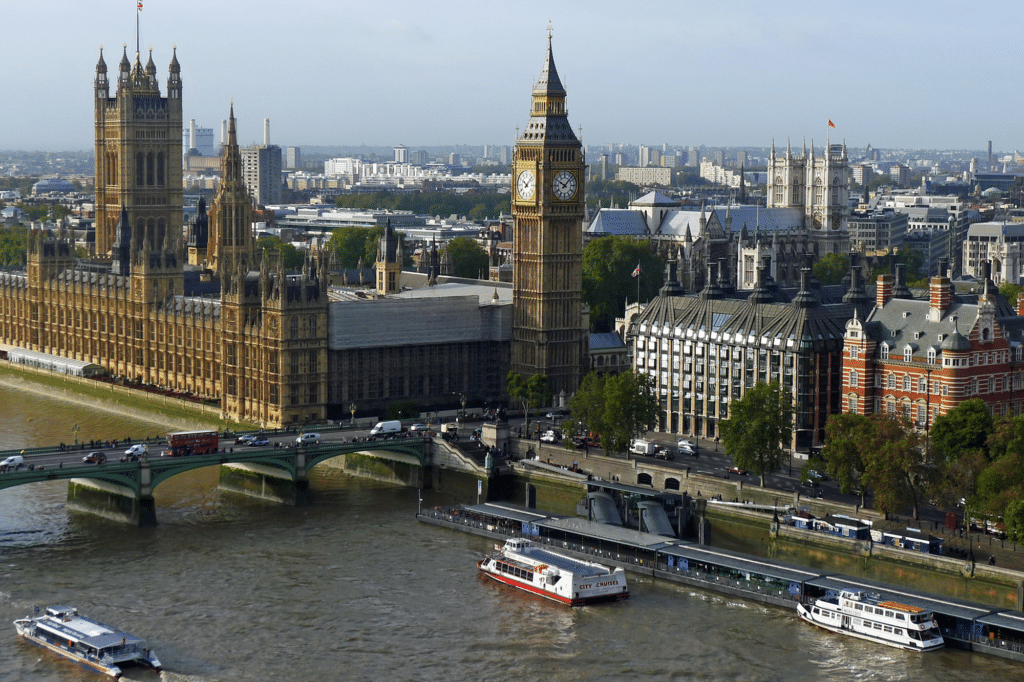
column 548, row 336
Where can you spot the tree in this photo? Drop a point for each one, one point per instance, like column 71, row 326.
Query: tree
column 349, row 244
column 619, row 407
column 894, row 465
column 965, row 428
column 1010, row 292
column 630, row 408
column 845, row 434
column 468, row 258
column 608, row 265
column 759, row 428
column 373, row 236
column 831, row 268
column 13, row 246
column 531, row 393
column 291, row 257
column 1014, row 519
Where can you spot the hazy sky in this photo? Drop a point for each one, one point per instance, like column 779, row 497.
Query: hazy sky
column 893, row 74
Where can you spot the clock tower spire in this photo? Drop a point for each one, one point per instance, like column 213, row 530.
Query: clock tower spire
column 548, row 332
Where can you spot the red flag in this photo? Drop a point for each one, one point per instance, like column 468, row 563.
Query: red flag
column 140, row 5
column 636, row 273
column 831, row 124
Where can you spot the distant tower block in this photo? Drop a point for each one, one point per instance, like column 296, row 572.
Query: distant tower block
column 401, row 154
column 266, row 132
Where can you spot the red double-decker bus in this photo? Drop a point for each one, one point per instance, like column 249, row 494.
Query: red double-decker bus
column 184, row 443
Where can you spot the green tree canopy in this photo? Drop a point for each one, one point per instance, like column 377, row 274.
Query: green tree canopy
column 831, row 268
column 965, row 428
column 468, row 258
column 618, row 407
column 845, row 435
column 608, row 266
column 352, row 243
column 13, row 246
column 894, row 466
column 759, row 429
column 914, row 266
column 440, row 203
column 291, row 257
column 530, row 392
column 1010, row 291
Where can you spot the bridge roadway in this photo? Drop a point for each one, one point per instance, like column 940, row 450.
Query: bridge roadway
column 139, row 478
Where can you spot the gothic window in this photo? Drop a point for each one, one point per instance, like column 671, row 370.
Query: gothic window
column 780, row 191
column 149, row 168
column 294, row 328
column 160, row 169
column 835, row 191
column 140, row 170
column 817, row 192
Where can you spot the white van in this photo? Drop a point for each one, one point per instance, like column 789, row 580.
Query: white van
column 642, row 447
column 138, row 450
column 386, row 428
column 308, row 439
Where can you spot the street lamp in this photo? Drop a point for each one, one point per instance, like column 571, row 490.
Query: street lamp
column 352, row 410
column 463, row 396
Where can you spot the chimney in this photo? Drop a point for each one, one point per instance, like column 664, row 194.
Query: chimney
column 940, row 292
column 224, row 131
column 883, row 290
column 266, row 132
column 191, row 134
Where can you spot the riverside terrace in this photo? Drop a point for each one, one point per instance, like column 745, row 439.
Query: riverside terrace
column 965, row 625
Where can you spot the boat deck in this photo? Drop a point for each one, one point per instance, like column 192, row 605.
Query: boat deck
column 577, row 568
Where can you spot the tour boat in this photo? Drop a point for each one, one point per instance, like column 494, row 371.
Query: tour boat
column 91, row 644
column 540, row 571
column 865, row 616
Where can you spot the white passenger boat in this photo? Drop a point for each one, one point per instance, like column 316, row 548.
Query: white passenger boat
column 554, row 576
column 865, row 616
column 90, row 644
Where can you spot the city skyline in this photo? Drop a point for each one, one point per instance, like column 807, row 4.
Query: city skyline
column 410, row 74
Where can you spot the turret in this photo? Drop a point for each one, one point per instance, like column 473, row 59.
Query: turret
column 102, row 84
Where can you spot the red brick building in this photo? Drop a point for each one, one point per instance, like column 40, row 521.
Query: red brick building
column 921, row 358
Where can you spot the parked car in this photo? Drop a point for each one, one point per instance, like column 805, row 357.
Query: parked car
column 94, row 458
column 259, row 441
column 14, row 461
column 737, row 470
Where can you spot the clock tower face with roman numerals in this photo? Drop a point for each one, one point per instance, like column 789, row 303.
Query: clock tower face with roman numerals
column 548, row 333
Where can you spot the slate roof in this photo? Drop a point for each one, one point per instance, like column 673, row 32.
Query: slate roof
column 619, row 221
column 766, row 219
column 655, row 199
column 606, row 341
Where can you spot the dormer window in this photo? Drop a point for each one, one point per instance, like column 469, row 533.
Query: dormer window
column 931, row 356
column 906, row 314
column 883, row 352
column 908, row 354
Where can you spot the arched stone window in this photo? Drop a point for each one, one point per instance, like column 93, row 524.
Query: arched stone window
column 817, row 192
column 644, row 479
column 140, row 170
column 160, row 179
column 883, row 351
column 149, row 168
column 906, row 382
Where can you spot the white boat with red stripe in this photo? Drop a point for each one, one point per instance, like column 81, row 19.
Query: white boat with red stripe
column 557, row 577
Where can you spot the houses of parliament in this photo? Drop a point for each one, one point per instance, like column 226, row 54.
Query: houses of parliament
column 198, row 309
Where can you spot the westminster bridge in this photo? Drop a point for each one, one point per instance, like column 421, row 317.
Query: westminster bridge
column 124, row 490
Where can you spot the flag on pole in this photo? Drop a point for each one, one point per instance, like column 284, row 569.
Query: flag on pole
column 636, row 273
column 830, row 123
column 140, row 5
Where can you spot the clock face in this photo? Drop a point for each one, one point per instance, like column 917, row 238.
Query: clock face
column 526, row 184
column 564, row 185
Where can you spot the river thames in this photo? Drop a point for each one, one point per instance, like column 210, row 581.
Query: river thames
column 352, row 588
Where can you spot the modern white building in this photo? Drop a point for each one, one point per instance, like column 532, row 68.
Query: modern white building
column 652, row 175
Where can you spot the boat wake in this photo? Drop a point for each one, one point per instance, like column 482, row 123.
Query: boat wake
column 166, row 676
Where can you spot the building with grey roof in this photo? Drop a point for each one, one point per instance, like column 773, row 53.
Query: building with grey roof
column 705, row 350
